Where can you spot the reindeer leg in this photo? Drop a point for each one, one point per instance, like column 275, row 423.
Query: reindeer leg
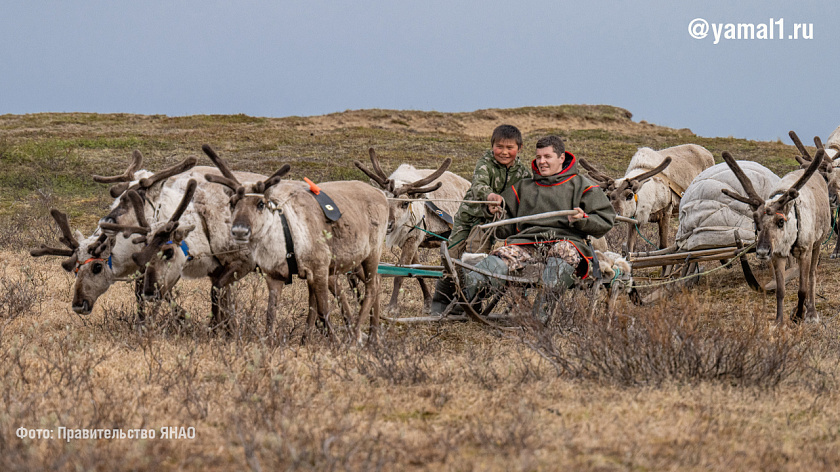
column 371, row 300
column 836, row 252
column 811, row 313
column 313, row 308
column 779, row 273
column 322, row 296
column 631, row 237
column 408, row 253
column 804, row 284
column 424, row 289
column 141, row 302
column 342, row 300
column 275, row 288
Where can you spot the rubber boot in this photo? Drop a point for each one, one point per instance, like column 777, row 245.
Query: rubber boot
column 558, row 273
column 558, row 276
column 477, row 284
column 444, row 293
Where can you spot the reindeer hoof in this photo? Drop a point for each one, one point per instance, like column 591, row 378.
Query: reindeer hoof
column 834, row 255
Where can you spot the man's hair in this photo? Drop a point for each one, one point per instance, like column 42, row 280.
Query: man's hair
column 554, row 141
column 506, row 132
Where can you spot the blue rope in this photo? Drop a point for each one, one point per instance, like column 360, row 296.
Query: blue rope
column 643, row 236
column 433, row 234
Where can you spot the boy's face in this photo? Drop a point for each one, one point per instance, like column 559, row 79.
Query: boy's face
column 505, row 150
column 548, row 162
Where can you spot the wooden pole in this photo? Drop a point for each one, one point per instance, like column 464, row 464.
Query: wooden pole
column 538, row 216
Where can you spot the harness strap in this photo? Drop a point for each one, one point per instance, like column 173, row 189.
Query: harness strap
column 290, row 248
column 446, row 217
column 678, row 191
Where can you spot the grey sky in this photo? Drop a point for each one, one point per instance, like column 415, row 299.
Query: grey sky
column 312, row 57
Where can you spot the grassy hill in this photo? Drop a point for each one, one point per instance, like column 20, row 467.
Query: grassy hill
column 698, row 380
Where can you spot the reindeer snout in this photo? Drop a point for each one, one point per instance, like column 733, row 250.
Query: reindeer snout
column 390, row 227
column 762, row 253
column 83, row 308
column 240, row 232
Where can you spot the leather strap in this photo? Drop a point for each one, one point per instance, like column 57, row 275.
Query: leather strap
column 446, row 217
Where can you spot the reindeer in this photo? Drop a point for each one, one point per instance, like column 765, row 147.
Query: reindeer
column 286, row 230
column 105, row 257
column 411, row 222
column 792, row 222
column 830, row 171
column 653, row 185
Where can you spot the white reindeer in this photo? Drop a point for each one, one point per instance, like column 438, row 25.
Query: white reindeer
column 101, row 259
column 412, row 222
column 653, row 185
column 793, row 221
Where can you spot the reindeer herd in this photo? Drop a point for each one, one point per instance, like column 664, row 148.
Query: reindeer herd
column 192, row 222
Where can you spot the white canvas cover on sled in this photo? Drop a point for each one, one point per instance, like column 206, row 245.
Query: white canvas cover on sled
column 708, row 218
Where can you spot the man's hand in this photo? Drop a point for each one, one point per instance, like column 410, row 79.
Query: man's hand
column 577, row 216
column 495, row 207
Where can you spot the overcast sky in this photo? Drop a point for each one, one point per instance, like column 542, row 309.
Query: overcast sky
column 282, row 58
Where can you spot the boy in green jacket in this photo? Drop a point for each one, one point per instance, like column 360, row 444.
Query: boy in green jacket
column 499, row 168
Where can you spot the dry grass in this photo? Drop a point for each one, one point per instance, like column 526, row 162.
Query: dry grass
column 697, row 381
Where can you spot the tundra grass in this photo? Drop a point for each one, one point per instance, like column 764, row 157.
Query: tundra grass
column 698, row 380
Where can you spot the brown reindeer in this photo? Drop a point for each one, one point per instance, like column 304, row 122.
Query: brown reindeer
column 286, row 230
column 793, row 221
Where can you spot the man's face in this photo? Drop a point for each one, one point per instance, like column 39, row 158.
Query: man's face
column 505, row 150
column 548, row 162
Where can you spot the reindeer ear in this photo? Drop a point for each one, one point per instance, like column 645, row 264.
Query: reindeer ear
column 78, row 235
column 181, row 233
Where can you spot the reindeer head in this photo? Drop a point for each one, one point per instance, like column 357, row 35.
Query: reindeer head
column 163, row 256
column 88, row 259
column 248, row 202
column 623, row 193
column 143, row 183
column 829, row 166
column 775, row 218
column 401, row 210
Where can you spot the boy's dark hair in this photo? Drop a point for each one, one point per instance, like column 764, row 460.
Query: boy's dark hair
column 554, row 141
column 506, row 132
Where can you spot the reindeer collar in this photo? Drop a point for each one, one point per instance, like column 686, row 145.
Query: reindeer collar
column 92, row 259
column 184, row 248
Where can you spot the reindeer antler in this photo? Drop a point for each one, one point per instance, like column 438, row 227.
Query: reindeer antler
column 804, row 158
column 415, row 188
column 142, row 227
column 793, row 191
column 647, row 175
column 227, row 179
column 67, row 239
column 753, row 199
column 127, row 176
column 164, row 234
column 261, row 187
column 601, row 177
column 377, row 175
